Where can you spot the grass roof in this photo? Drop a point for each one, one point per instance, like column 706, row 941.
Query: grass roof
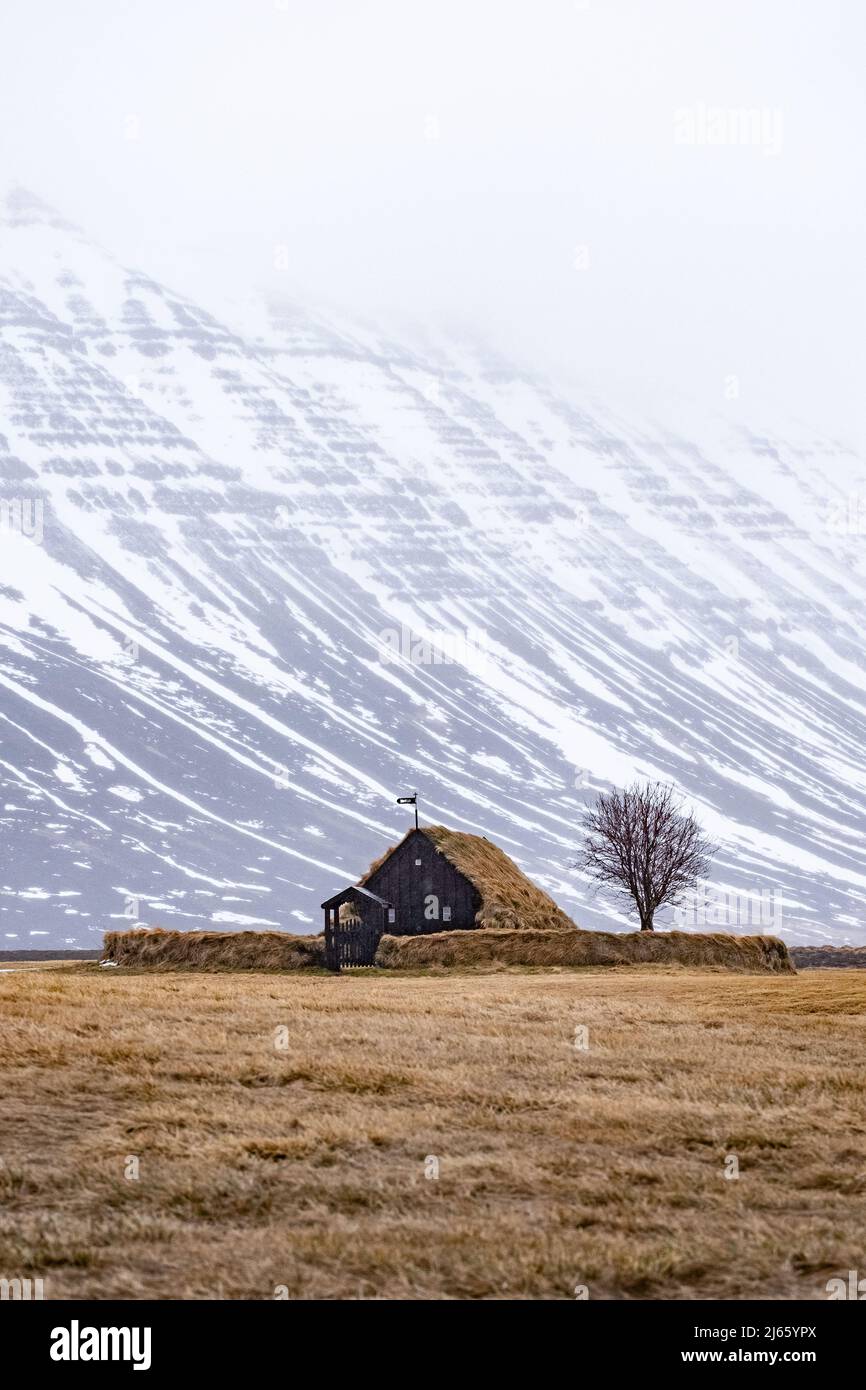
column 508, row 898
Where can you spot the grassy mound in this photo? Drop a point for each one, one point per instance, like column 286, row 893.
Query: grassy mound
column 261, row 950
column 211, row 950
column 487, row 947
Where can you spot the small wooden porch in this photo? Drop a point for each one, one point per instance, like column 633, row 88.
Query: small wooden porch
column 355, row 921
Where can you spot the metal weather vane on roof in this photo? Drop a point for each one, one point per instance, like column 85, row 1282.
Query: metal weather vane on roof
column 410, row 801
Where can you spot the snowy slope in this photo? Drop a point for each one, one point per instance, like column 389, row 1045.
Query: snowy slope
column 202, row 717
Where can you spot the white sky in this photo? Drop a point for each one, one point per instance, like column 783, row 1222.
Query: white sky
column 447, row 159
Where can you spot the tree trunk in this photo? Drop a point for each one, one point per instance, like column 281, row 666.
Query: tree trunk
column 646, row 922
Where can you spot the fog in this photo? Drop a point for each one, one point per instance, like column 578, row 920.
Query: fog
column 667, row 193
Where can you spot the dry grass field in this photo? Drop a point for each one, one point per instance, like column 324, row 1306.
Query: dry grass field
column 296, row 1158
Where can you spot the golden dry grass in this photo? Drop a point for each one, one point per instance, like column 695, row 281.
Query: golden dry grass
column 480, row 947
column 305, row 1167
column 215, row 950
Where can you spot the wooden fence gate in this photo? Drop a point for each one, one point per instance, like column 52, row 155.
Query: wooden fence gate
column 355, row 919
column 351, row 943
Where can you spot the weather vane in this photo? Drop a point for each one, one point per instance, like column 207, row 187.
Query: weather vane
column 410, row 801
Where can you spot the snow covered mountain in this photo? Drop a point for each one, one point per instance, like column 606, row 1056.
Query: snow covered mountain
column 260, row 577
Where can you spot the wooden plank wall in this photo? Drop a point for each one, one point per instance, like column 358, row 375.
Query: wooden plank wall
column 406, row 884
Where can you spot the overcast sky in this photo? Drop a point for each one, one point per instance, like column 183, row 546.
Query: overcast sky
column 569, row 177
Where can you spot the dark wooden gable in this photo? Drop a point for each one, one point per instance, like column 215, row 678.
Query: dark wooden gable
column 427, row 891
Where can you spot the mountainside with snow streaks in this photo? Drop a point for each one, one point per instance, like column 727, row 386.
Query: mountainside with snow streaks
column 215, row 533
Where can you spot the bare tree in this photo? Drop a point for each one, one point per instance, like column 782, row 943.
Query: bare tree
column 640, row 842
